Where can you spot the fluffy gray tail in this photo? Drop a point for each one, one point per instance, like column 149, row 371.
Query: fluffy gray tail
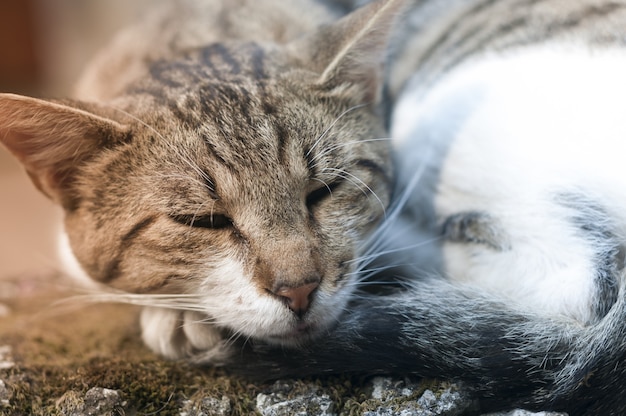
column 435, row 329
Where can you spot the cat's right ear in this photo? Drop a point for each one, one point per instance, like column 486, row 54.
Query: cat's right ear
column 52, row 139
column 349, row 54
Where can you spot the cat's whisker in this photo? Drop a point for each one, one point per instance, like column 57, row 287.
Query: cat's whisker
column 206, row 319
column 176, row 149
column 184, row 156
column 206, row 182
column 371, row 271
column 330, row 190
column 180, row 176
column 358, row 183
column 235, row 336
column 331, row 149
column 376, row 239
column 198, row 209
column 369, row 257
column 137, row 119
column 325, row 132
column 181, row 301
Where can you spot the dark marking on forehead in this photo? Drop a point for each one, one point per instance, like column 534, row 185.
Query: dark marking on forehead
column 218, row 58
column 221, row 158
column 175, row 74
column 258, row 64
column 227, row 93
column 282, row 141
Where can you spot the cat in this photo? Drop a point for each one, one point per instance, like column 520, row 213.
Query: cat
column 507, row 126
column 220, row 163
column 232, row 177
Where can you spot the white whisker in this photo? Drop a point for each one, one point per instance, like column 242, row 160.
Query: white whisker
column 171, row 301
column 356, row 181
column 330, row 149
column 325, row 132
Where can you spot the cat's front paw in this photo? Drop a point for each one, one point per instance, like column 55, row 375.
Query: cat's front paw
column 183, row 335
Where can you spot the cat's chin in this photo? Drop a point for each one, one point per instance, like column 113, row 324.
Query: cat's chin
column 302, row 333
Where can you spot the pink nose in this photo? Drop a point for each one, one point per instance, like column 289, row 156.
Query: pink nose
column 297, row 298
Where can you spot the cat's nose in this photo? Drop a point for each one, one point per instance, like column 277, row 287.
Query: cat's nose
column 297, row 298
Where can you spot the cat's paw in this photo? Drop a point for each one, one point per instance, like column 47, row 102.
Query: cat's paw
column 183, row 335
column 475, row 228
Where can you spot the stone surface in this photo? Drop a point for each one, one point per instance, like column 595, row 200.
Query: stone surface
column 97, row 401
column 207, row 406
column 407, row 398
column 280, row 402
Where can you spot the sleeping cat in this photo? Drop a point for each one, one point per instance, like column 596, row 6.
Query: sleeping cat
column 232, row 177
column 221, row 162
column 508, row 139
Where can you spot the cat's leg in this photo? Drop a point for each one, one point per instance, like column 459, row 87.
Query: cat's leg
column 177, row 334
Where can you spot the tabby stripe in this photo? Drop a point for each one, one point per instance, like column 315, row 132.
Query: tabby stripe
column 454, row 45
column 282, row 136
column 112, row 270
column 447, row 35
column 470, row 41
column 506, row 28
column 494, row 36
column 547, row 33
column 310, row 162
column 258, row 64
column 231, row 167
column 584, row 15
column 211, row 52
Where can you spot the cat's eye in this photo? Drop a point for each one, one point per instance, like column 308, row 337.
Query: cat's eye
column 212, row 221
column 321, row 193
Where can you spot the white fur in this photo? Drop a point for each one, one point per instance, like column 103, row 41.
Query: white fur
column 70, row 266
column 509, row 133
column 232, row 300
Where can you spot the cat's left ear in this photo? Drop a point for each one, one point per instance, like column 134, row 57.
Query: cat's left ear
column 52, row 139
column 351, row 52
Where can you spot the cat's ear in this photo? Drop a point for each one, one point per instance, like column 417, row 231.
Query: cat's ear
column 352, row 51
column 51, row 139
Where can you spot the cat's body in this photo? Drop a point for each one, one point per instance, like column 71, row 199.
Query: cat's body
column 517, row 112
column 509, row 140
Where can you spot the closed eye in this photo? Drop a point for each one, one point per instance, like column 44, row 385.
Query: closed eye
column 212, row 221
column 320, row 194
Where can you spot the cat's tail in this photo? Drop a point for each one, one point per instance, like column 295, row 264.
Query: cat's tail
column 435, row 329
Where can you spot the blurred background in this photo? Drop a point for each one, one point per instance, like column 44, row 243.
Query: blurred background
column 43, row 46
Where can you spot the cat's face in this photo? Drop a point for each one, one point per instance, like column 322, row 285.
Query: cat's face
column 244, row 175
column 266, row 187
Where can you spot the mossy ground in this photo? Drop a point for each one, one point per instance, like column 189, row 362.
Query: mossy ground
column 59, row 355
column 57, row 352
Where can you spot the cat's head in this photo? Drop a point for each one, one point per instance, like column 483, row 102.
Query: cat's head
column 245, row 174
